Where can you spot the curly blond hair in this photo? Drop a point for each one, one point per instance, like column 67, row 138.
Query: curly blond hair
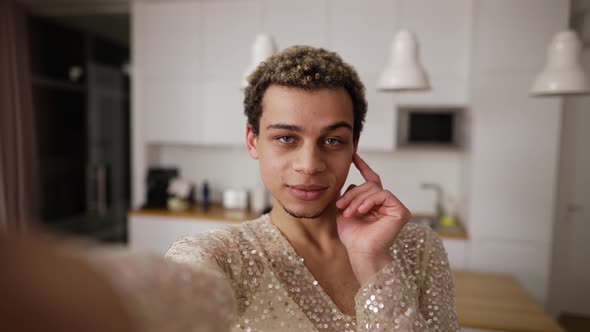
column 307, row 68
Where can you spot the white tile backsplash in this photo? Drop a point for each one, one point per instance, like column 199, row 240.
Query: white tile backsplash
column 222, row 167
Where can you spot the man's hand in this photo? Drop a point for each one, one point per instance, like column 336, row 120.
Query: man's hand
column 369, row 220
column 43, row 289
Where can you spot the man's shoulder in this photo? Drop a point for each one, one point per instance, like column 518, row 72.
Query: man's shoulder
column 222, row 241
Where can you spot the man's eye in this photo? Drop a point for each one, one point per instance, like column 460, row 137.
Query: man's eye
column 332, row 141
column 285, row 139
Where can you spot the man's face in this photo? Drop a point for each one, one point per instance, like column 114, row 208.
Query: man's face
column 304, row 147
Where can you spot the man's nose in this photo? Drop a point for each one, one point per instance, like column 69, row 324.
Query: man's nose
column 309, row 160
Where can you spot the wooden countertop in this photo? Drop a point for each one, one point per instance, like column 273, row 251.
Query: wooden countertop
column 498, row 302
column 217, row 212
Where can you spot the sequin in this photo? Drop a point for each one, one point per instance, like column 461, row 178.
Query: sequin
column 248, row 277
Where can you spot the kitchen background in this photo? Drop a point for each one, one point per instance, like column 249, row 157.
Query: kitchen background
column 479, row 54
column 518, row 179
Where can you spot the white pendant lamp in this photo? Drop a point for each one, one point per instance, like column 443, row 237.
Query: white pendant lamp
column 563, row 73
column 264, row 46
column 404, row 71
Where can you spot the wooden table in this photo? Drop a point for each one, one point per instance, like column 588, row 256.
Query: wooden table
column 498, row 302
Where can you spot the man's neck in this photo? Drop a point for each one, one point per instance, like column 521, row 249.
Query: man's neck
column 318, row 234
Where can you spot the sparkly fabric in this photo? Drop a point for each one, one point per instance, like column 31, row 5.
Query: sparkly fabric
column 248, row 277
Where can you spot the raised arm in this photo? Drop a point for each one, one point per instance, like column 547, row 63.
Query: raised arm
column 65, row 286
column 393, row 300
column 166, row 295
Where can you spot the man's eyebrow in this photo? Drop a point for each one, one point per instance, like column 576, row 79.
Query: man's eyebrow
column 285, row 126
column 341, row 124
column 297, row 129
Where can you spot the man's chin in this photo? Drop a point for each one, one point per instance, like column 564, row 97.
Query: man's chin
column 306, row 210
column 302, row 214
column 299, row 215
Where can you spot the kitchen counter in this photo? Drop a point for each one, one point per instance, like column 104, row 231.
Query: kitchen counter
column 498, row 302
column 218, row 213
column 215, row 212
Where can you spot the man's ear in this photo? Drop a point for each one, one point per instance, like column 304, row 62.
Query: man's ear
column 252, row 142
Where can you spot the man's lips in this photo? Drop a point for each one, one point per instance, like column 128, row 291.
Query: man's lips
column 307, row 192
column 308, row 187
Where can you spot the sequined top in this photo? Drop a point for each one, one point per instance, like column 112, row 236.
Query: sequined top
column 248, row 277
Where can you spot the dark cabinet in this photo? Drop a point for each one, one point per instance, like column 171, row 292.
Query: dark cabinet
column 56, row 51
column 81, row 105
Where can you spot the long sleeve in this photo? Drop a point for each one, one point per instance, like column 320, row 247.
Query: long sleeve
column 186, row 292
column 240, row 278
column 398, row 299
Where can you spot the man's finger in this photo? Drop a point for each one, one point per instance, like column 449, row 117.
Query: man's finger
column 366, row 171
column 349, row 188
column 353, row 199
column 395, row 208
column 343, row 201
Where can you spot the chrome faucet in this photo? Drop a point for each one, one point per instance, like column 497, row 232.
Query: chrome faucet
column 439, row 209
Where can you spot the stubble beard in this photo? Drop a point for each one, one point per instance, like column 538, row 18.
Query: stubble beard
column 305, row 216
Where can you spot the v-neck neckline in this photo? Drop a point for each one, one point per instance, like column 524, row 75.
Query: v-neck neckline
column 299, row 261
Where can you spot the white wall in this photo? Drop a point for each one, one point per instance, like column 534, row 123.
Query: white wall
column 569, row 290
column 515, row 140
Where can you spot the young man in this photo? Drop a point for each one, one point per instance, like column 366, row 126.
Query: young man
column 319, row 260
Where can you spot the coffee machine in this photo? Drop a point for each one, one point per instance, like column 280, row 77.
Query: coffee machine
column 158, row 179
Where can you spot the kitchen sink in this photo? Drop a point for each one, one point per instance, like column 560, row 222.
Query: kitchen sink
column 425, row 220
